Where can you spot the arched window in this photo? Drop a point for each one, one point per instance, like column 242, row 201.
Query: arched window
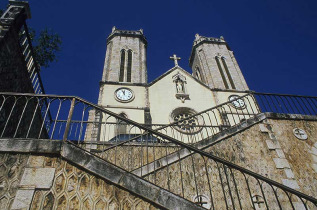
column 129, row 65
column 121, row 75
column 228, row 73
column 121, row 125
column 221, row 72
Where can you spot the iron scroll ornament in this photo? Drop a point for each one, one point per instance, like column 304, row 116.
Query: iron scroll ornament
column 238, row 103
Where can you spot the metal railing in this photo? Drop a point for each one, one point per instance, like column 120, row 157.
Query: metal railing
column 156, row 157
column 195, row 127
column 31, row 64
column 286, row 104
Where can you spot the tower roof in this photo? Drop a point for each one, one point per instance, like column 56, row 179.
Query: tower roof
column 203, row 39
column 127, row 33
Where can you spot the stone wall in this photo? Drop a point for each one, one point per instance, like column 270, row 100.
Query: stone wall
column 272, row 150
column 203, row 57
column 121, row 41
column 74, row 188
column 69, row 188
column 300, row 154
column 269, row 149
column 14, row 76
column 11, row 170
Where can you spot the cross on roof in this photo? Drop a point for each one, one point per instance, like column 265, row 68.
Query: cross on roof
column 175, row 58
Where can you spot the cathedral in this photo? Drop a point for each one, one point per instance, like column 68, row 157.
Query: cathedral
column 199, row 140
column 124, row 89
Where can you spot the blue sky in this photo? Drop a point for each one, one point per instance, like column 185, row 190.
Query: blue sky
column 273, row 41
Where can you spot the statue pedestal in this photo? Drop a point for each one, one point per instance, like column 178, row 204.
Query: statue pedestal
column 182, row 96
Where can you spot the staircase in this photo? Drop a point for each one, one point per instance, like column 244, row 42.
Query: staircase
column 176, row 173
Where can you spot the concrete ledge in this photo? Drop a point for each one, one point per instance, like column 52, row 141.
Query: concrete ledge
column 281, row 116
column 122, row 178
column 230, row 131
column 30, row 145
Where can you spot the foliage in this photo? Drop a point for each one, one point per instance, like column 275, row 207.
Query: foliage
column 45, row 46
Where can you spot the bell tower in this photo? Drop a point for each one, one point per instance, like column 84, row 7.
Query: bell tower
column 214, row 64
column 125, row 57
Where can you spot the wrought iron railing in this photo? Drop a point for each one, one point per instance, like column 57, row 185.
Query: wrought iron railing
column 286, row 104
column 199, row 126
column 32, row 66
column 158, row 158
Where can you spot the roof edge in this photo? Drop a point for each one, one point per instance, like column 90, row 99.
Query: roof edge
column 127, row 33
column 199, row 40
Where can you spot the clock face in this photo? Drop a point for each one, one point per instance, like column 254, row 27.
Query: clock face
column 124, row 95
column 238, row 103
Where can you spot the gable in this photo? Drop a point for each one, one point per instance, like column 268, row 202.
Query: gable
column 179, row 69
column 164, row 95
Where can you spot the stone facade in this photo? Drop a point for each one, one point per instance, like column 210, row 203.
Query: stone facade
column 70, row 187
column 222, row 74
column 14, row 76
column 11, row 170
column 74, row 188
column 120, row 40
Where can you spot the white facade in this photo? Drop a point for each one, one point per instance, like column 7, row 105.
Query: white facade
column 157, row 102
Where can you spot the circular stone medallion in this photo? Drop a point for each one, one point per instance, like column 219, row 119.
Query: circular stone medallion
column 185, row 123
column 300, row 133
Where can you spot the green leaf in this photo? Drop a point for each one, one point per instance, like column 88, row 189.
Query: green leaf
column 46, row 47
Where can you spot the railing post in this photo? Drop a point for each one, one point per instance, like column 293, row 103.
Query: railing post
column 69, row 118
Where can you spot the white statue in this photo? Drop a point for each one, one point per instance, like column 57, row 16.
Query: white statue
column 180, row 86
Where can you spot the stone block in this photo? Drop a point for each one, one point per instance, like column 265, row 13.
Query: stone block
column 290, row 183
column 23, row 199
column 289, row 173
column 263, row 128
column 281, row 163
column 36, row 161
column 273, row 144
column 299, row 206
column 280, row 153
column 91, row 146
column 41, row 178
column 313, row 151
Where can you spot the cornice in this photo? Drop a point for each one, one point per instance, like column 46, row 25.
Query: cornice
column 202, row 40
column 126, row 33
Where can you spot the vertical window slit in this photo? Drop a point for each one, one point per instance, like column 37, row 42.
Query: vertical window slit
column 198, row 74
column 121, row 75
column 129, row 65
column 222, row 73
column 228, row 73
